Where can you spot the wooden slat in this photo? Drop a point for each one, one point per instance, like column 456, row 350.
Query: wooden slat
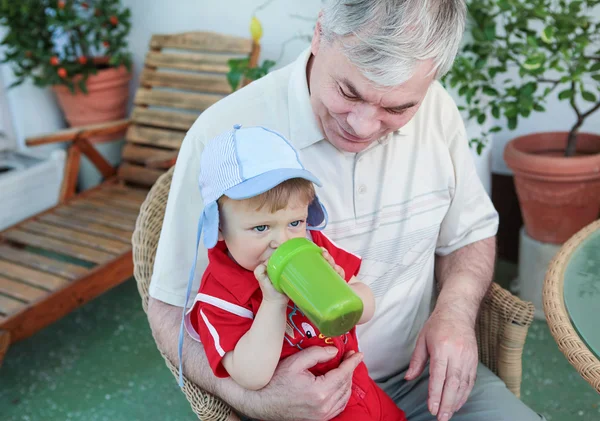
column 202, row 41
column 155, row 137
column 71, row 296
column 57, row 246
column 95, row 217
column 183, row 100
column 91, row 228
column 105, row 209
column 194, row 62
column 124, row 200
column 139, row 175
column 20, row 290
column 43, row 263
column 113, row 203
column 9, row 306
column 145, row 156
column 76, row 237
column 31, row 276
column 128, row 191
column 166, row 119
column 187, row 81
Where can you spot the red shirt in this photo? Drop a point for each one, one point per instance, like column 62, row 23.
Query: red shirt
column 229, row 296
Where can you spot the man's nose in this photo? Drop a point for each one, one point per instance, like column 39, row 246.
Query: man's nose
column 363, row 120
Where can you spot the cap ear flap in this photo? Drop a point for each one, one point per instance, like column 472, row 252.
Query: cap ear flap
column 210, row 229
column 317, row 215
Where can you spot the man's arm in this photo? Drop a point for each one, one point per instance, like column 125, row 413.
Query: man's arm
column 448, row 337
column 293, row 393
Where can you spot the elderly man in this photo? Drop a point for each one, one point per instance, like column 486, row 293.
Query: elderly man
column 364, row 109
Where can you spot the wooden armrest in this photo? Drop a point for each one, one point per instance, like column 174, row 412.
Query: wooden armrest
column 69, row 135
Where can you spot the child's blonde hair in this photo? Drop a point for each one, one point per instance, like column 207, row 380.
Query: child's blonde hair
column 279, row 196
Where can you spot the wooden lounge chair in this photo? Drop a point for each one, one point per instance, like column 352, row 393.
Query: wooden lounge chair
column 501, row 327
column 58, row 260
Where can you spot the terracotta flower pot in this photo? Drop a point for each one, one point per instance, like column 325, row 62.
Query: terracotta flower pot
column 558, row 195
column 108, row 92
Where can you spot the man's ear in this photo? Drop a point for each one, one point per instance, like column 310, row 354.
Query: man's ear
column 220, row 235
column 317, row 36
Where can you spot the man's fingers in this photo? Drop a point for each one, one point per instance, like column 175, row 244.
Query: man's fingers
column 310, row 357
column 345, row 370
column 418, row 359
column 467, row 392
column 437, row 377
column 341, row 400
column 450, row 391
column 463, row 393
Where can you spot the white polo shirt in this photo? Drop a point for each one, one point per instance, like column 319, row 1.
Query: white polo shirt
column 409, row 196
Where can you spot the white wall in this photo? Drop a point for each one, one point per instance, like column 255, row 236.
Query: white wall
column 224, row 16
column 26, row 110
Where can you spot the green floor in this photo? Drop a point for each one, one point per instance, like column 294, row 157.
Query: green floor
column 100, row 363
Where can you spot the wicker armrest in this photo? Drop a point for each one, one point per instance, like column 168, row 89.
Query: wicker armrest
column 145, row 241
column 501, row 332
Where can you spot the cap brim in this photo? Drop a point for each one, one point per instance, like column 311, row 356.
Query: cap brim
column 266, row 181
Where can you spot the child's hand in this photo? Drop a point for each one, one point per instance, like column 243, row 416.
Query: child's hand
column 268, row 290
column 330, row 260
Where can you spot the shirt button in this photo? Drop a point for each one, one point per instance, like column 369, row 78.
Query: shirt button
column 362, row 189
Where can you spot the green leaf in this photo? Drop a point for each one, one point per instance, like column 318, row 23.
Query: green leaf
column 495, row 129
column 595, row 67
column 596, row 77
column 566, row 94
column 495, row 111
column 538, row 107
column 488, row 90
column 534, row 62
column 479, row 148
column 481, row 118
column 547, row 34
column 233, row 77
column 512, row 123
column 588, row 96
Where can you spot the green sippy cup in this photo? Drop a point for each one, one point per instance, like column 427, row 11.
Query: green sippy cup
column 298, row 269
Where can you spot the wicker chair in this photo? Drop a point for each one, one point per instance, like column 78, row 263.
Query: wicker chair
column 501, row 328
column 567, row 338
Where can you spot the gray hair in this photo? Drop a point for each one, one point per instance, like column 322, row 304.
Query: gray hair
column 390, row 37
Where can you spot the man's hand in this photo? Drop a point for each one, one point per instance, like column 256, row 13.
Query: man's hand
column 448, row 341
column 295, row 394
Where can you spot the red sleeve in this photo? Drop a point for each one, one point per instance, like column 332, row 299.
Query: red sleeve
column 220, row 323
column 348, row 261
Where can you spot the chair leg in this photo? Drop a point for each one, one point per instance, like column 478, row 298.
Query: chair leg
column 4, row 343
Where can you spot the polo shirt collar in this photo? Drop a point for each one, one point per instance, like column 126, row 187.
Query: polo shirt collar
column 238, row 281
column 304, row 129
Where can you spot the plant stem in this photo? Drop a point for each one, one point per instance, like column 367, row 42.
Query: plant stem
column 572, row 139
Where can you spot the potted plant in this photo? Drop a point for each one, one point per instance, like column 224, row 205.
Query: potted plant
column 521, row 55
column 78, row 48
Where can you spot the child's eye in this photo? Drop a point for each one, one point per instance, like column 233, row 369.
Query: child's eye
column 260, row 228
column 296, row 223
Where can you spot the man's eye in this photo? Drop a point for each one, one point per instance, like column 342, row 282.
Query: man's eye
column 260, row 228
column 296, row 223
column 347, row 96
column 396, row 112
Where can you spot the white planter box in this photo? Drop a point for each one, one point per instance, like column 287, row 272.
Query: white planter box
column 29, row 186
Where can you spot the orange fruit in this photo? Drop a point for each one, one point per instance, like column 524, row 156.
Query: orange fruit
column 62, row 72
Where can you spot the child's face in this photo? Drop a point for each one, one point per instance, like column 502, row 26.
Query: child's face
column 253, row 235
